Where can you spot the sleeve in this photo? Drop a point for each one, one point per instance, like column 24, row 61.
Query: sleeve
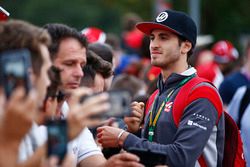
column 195, row 128
column 86, row 145
column 226, row 91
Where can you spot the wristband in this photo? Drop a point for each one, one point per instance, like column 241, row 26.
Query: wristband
column 119, row 136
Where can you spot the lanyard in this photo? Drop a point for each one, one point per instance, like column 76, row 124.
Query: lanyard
column 153, row 121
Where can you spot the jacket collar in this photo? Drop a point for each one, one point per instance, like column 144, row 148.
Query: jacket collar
column 174, row 79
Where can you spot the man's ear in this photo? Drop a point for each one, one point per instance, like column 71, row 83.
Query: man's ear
column 186, row 46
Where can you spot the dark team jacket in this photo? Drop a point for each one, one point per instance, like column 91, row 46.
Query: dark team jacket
column 199, row 135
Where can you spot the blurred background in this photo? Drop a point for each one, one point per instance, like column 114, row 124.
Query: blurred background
column 223, row 19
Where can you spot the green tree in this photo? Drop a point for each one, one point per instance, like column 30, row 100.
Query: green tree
column 105, row 14
column 225, row 19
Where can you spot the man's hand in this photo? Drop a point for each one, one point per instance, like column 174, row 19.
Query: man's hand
column 20, row 110
column 134, row 121
column 16, row 119
column 123, row 160
column 111, row 137
column 80, row 113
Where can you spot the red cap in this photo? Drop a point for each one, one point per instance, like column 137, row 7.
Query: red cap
column 94, row 34
column 174, row 21
column 224, row 52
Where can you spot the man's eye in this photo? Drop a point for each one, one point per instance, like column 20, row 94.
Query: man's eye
column 163, row 37
column 68, row 64
column 83, row 65
column 151, row 38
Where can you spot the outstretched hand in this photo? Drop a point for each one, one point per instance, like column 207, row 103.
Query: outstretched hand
column 109, row 137
column 80, row 113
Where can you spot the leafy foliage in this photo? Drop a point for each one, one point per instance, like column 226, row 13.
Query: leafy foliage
column 225, row 19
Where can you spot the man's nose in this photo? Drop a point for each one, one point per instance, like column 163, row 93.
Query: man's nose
column 153, row 44
column 78, row 71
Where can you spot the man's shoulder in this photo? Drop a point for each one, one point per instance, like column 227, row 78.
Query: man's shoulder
column 232, row 82
column 232, row 77
column 86, row 134
column 85, row 137
column 84, row 145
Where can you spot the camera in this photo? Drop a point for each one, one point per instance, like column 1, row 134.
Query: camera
column 57, row 138
column 14, row 70
column 119, row 100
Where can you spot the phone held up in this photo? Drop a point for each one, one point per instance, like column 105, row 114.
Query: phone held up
column 119, row 100
column 14, row 70
column 57, row 138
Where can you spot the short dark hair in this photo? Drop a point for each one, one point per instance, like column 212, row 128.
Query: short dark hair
column 17, row 34
column 182, row 39
column 58, row 32
column 95, row 64
column 102, row 50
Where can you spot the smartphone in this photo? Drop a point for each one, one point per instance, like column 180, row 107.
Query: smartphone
column 119, row 100
column 149, row 158
column 14, row 70
column 57, row 138
column 4, row 15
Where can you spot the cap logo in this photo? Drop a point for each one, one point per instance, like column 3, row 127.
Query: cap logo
column 162, row 17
